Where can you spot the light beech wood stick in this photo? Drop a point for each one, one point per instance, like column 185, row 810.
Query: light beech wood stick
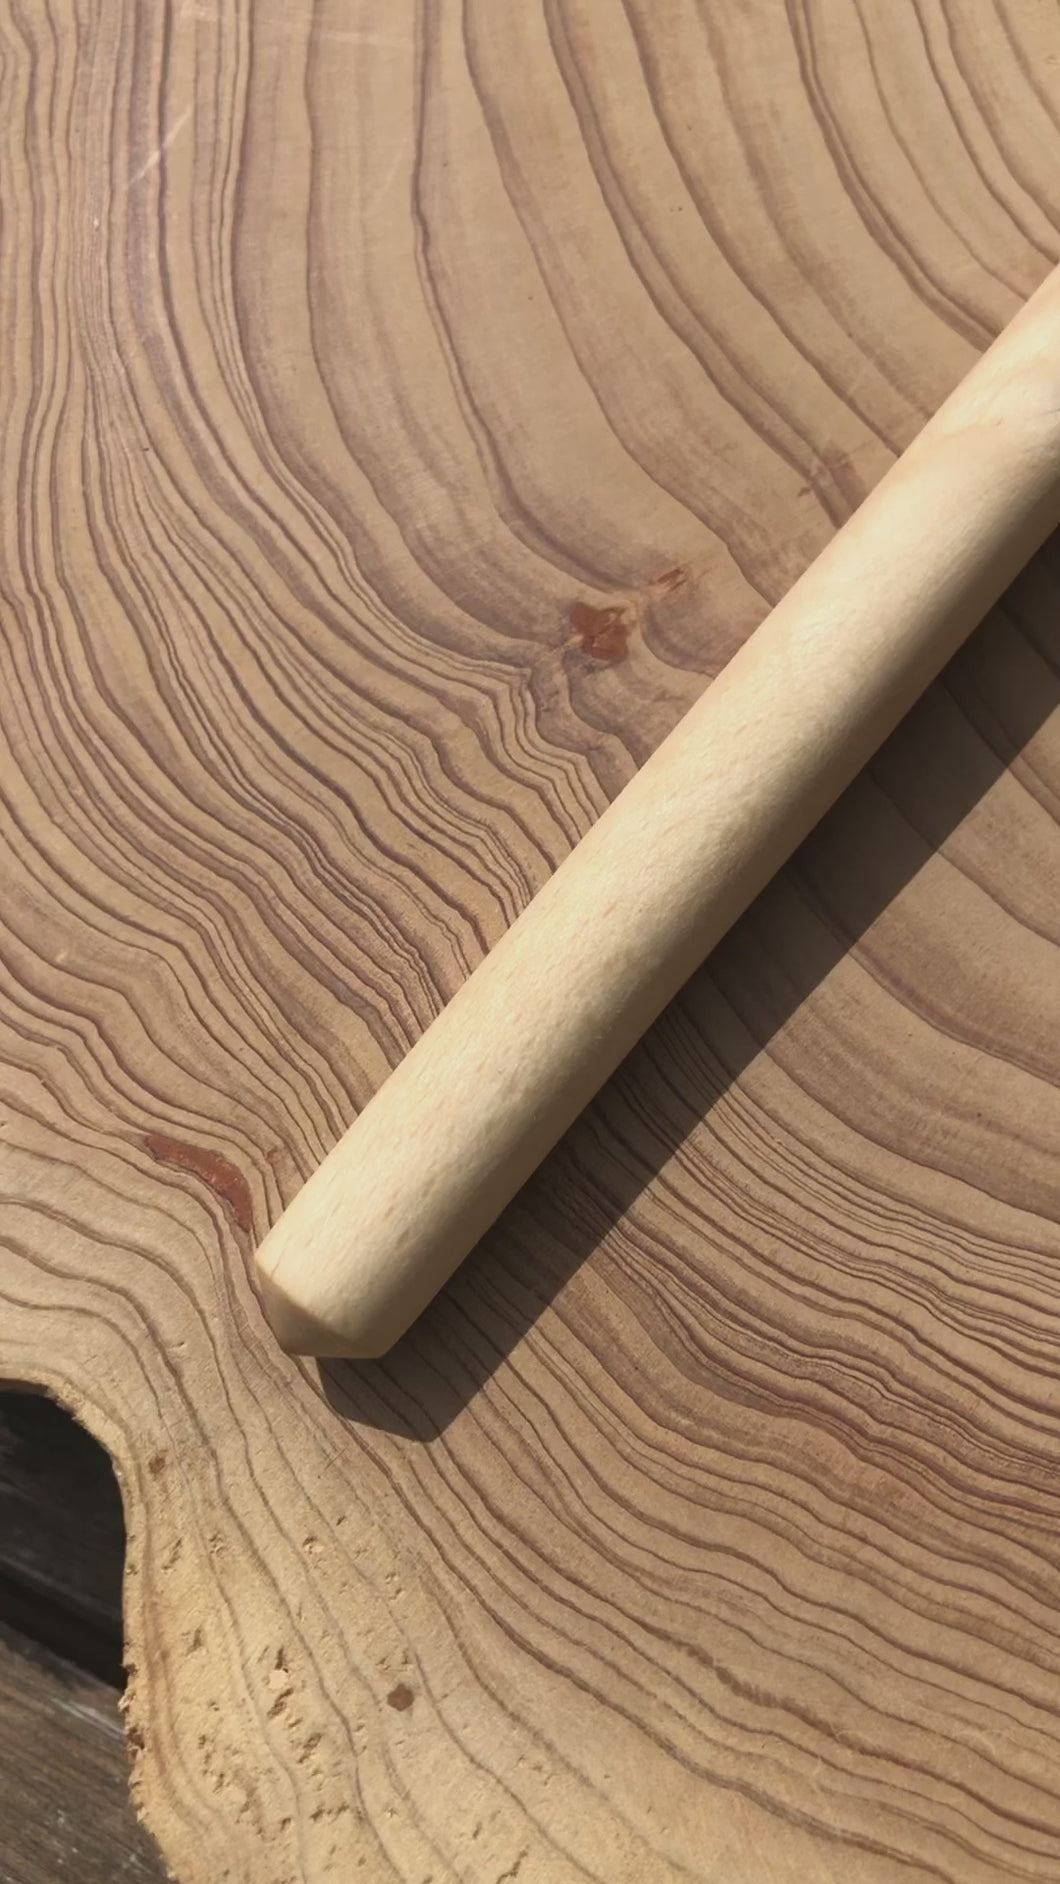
column 550, row 1012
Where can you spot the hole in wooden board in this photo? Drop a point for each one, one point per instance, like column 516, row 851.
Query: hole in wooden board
column 65, row 1809
column 62, row 1536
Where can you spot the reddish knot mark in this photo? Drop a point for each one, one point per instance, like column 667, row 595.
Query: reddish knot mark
column 222, row 1177
column 400, row 1697
column 670, row 580
column 604, row 632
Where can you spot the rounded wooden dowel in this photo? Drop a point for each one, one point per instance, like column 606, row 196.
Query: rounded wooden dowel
column 550, row 1012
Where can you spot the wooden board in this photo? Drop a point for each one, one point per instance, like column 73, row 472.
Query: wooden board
column 64, row 1805
column 405, row 411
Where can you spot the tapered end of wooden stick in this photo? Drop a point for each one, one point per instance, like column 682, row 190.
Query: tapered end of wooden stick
column 298, row 1331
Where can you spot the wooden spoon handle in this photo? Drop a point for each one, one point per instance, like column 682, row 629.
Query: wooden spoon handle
column 551, row 1011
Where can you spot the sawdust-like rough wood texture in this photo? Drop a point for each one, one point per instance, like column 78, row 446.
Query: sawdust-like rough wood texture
column 404, row 411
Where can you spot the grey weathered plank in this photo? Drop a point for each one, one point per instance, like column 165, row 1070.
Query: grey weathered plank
column 65, row 1811
column 62, row 1538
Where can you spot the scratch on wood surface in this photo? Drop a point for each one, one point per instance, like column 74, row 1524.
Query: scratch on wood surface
column 160, row 150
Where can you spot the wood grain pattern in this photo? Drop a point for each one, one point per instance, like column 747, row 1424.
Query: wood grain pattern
column 402, row 411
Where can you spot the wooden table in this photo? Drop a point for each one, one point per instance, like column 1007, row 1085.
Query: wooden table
column 405, row 411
